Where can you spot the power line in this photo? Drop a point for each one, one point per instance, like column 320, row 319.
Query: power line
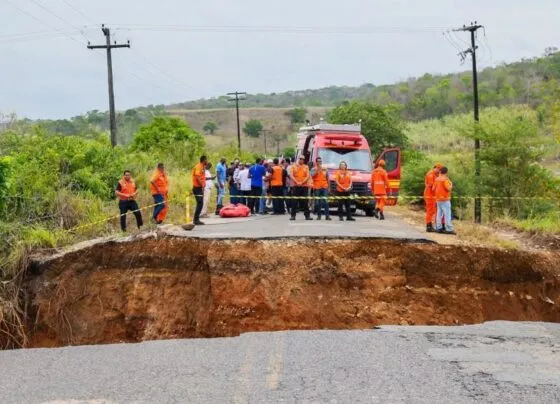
column 169, row 76
column 283, row 29
column 58, row 17
column 41, row 21
column 78, row 11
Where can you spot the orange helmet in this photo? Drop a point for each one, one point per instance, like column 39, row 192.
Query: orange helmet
column 438, row 166
column 381, row 163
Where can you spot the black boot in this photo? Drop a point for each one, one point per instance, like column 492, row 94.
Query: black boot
column 430, row 228
column 376, row 213
column 381, row 216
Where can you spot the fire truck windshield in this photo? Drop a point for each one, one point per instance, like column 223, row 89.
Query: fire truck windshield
column 356, row 159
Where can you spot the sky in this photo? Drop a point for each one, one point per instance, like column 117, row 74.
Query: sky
column 186, row 50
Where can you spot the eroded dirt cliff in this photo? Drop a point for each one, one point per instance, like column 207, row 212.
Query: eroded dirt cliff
column 172, row 287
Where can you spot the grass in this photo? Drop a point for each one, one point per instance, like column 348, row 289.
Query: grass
column 548, row 224
column 468, row 233
column 274, row 119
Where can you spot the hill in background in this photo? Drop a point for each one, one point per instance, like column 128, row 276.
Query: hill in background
column 532, row 82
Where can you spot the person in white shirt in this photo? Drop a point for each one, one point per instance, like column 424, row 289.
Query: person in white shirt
column 207, row 190
column 244, row 183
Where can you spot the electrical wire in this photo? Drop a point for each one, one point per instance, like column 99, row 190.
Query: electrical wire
column 39, row 20
column 281, row 29
column 59, row 17
column 78, row 11
column 486, row 43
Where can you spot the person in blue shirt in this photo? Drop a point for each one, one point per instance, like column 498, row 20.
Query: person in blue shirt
column 221, row 177
column 256, row 173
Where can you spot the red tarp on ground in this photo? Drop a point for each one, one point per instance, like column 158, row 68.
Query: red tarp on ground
column 238, row 210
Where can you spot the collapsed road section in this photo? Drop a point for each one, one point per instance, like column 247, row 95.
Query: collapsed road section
column 162, row 286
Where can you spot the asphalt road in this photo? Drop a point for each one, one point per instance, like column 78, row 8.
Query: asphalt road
column 494, row 362
column 269, row 226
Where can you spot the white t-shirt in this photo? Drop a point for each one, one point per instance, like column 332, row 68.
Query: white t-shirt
column 244, row 180
column 209, row 181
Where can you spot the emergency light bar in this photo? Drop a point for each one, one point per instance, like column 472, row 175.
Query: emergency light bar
column 344, row 138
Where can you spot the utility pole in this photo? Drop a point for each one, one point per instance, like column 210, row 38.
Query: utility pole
column 112, row 114
column 472, row 29
column 264, row 132
column 237, row 96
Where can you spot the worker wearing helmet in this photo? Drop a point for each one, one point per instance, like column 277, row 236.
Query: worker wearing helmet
column 379, row 186
column 430, row 197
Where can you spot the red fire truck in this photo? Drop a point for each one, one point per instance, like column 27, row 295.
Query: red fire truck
column 336, row 143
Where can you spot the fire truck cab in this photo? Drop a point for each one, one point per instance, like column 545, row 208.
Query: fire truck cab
column 336, row 143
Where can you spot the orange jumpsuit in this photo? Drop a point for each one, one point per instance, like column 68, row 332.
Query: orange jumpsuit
column 161, row 182
column 429, row 196
column 379, row 186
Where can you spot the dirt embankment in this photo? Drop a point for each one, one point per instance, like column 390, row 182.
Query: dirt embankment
column 170, row 287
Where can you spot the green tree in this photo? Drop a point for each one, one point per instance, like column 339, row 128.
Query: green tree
column 210, row 127
column 511, row 145
column 253, row 128
column 297, row 115
column 170, row 138
column 163, row 133
column 381, row 125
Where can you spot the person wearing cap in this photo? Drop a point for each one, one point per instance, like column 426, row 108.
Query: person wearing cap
column 379, row 186
column 430, row 197
column 299, row 175
column 221, row 178
column 159, row 183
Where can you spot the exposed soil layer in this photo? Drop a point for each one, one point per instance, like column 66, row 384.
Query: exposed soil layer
column 171, row 287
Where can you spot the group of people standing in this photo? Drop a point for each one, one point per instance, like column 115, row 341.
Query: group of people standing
column 127, row 191
column 289, row 184
column 437, row 198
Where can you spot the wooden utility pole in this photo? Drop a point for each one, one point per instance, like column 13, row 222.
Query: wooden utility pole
column 264, row 132
column 112, row 114
column 472, row 50
column 237, row 96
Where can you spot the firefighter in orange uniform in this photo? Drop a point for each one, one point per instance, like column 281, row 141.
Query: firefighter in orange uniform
column 430, row 197
column 126, row 192
column 442, row 190
column 320, row 178
column 299, row 174
column 199, row 182
column 379, row 186
column 277, row 187
column 160, row 187
column 343, row 181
